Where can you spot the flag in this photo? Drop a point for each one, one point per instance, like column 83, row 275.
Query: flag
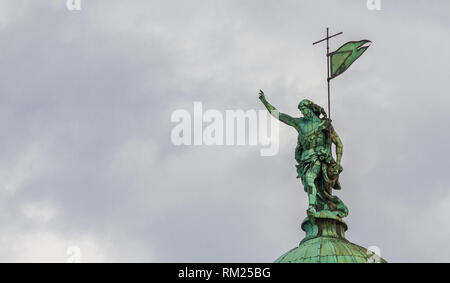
column 345, row 55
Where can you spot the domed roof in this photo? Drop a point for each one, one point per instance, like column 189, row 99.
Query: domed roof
column 325, row 243
column 328, row 249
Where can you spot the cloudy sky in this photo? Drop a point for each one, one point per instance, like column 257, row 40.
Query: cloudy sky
column 86, row 158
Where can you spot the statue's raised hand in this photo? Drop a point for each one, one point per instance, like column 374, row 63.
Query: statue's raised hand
column 261, row 94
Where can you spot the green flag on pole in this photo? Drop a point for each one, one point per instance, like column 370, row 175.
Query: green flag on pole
column 345, row 55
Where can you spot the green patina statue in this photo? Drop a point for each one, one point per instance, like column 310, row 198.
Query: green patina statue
column 319, row 171
column 317, row 168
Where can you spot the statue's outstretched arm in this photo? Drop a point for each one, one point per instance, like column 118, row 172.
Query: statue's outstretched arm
column 288, row 120
column 339, row 146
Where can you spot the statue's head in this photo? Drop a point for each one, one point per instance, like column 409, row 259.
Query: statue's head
column 309, row 108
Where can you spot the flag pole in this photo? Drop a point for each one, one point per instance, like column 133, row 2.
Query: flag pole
column 328, row 74
column 328, row 83
column 327, row 38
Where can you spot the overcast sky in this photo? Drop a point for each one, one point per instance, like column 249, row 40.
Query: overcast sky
column 86, row 157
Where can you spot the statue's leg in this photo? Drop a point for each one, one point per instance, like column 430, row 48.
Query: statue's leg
column 310, row 187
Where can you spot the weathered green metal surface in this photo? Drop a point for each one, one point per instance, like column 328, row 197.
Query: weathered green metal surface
column 345, row 55
column 317, row 168
column 319, row 172
column 325, row 243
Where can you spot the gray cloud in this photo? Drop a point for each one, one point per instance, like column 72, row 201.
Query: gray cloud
column 86, row 157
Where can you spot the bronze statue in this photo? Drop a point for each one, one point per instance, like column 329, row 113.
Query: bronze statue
column 317, row 168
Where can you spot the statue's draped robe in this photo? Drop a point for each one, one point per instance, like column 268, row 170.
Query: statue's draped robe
column 328, row 177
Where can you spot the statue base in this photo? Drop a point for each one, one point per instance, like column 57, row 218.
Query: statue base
column 323, row 224
column 325, row 242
